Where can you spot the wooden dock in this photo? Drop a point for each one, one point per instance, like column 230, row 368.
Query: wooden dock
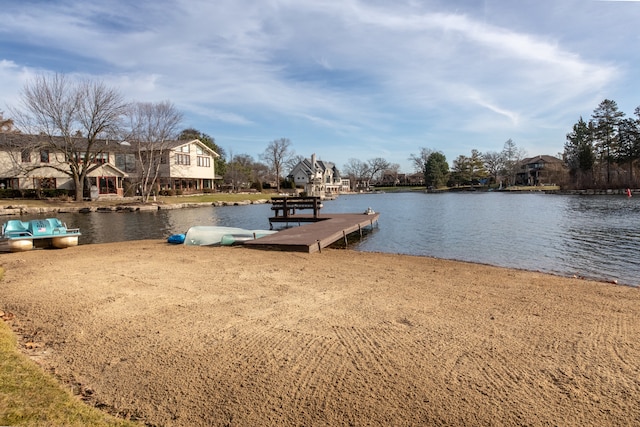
column 312, row 237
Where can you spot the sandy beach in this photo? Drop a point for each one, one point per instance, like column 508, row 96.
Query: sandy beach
column 197, row 336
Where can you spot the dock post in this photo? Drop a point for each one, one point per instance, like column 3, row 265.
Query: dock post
column 344, row 236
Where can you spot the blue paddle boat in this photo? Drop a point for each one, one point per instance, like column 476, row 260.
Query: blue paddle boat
column 20, row 236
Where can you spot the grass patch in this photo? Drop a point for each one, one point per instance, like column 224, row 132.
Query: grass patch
column 31, row 397
column 400, row 189
column 215, row 197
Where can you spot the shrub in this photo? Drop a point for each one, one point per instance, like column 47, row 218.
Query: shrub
column 10, row 193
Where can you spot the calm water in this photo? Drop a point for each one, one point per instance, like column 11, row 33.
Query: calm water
column 591, row 236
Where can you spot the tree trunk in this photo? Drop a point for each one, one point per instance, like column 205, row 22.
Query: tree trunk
column 79, row 186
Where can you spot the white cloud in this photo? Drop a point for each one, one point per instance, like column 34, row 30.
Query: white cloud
column 330, row 70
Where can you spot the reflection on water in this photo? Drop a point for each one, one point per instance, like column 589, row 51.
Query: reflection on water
column 592, row 236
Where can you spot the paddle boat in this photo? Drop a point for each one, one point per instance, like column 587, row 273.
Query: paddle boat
column 205, row 235
column 20, row 236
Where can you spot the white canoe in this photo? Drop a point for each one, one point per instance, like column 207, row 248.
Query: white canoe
column 205, row 235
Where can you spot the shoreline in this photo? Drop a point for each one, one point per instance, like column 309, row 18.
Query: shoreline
column 17, row 209
column 183, row 335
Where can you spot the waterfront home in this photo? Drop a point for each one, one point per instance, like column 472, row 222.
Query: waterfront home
column 38, row 163
column 541, row 170
column 318, row 178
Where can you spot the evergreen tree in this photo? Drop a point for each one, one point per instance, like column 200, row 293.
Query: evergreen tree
column 606, row 119
column 579, row 154
column 436, row 170
column 629, row 144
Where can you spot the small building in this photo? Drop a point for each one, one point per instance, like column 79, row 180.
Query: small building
column 318, row 178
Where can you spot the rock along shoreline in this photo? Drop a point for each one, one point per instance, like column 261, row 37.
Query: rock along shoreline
column 18, row 209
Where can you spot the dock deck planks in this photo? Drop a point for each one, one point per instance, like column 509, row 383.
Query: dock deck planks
column 314, row 236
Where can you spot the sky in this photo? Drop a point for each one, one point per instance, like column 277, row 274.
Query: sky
column 344, row 79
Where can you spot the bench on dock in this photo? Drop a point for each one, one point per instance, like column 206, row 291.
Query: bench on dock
column 286, row 207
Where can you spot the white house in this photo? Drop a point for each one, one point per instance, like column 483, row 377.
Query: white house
column 318, row 178
column 31, row 162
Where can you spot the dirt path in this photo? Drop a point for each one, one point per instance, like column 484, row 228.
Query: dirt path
column 190, row 336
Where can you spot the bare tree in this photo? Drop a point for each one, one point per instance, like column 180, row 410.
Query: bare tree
column 239, row 173
column 393, row 171
column 358, row 173
column 277, row 155
column 74, row 119
column 494, row 163
column 151, row 128
column 511, row 156
column 377, row 166
column 419, row 161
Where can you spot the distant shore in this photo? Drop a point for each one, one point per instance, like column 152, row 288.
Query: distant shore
column 9, row 207
column 184, row 335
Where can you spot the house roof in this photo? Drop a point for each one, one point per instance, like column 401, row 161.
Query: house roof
column 179, row 143
column 541, row 158
column 20, row 140
column 322, row 166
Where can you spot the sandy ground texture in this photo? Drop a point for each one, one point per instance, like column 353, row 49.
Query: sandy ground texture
column 193, row 336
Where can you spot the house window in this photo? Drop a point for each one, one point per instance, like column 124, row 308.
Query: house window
column 183, row 159
column 204, row 161
column 107, row 185
column 9, row 183
column 185, row 148
column 44, row 183
column 44, row 156
column 101, row 158
column 199, row 150
column 25, row 156
column 126, row 162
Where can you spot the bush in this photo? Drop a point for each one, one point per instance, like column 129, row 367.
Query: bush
column 55, row 193
column 10, row 193
column 30, row 193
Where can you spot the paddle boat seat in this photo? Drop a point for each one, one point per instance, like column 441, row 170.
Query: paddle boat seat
column 15, row 227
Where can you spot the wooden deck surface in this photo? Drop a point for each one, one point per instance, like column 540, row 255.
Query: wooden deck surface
column 312, row 237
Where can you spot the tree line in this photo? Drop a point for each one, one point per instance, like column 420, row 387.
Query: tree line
column 603, row 152
column 75, row 117
column 487, row 168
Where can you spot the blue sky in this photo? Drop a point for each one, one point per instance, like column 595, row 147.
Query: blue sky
column 343, row 78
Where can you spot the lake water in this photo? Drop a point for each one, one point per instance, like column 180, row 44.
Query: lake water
column 591, row 236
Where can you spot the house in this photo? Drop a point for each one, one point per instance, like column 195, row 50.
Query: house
column 540, row 170
column 31, row 162
column 318, row 178
column 392, row 178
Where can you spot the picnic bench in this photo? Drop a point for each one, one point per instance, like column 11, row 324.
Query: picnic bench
column 285, row 207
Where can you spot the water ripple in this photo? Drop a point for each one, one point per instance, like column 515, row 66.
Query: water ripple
column 596, row 237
